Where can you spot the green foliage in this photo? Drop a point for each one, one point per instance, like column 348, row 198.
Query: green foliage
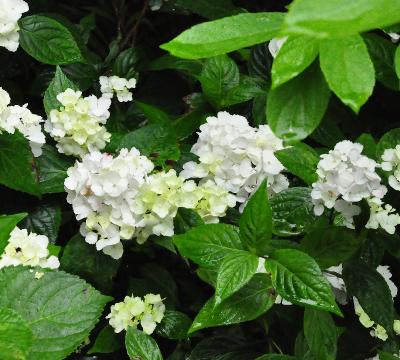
column 142, row 346
column 7, row 224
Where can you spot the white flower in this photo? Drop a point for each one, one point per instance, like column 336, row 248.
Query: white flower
column 275, row 45
column 391, row 163
column 119, row 86
column 382, row 215
column 236, row 156
column 345, row 176
column 394, row 36
column 337, row 283
column 10, row 12
column 28, row 250
column 78, row 126
column 134, row 311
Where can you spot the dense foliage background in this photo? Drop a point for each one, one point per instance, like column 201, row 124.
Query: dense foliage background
column 336, row 77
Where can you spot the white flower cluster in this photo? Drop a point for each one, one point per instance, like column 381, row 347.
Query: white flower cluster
column 275, row 45
column 382, row 215
column 134, row 311
column 10, row 12
column 391, row 163
column 20, row 118
column 78, row 125
column 110, row 85
column 345, row 176
column 236, row 156
column 28, row 250
column 120, row 199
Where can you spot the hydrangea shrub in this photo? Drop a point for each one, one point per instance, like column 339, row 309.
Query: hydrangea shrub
column 199, row 180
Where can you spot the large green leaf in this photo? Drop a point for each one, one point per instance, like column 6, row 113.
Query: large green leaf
column 372, row 292
column 256, row 221
column 59, row 84
column 300, row 160
column 348, row 69
column 7, row 224
column 225, row 35
column 293, row 110
column 335, row 18
column 207, row 245
column 18, row 165
column 52, row 170
column 235, row 271
column 292, row 211
column 335, row 246
column 45, row 219
column 295, row 55
column 251, row 301
column 321, row 334
column 297, row 278
column 50, row 41
column 60, row 308
column 174, row 325
column 82, row 259
column 16, row 335
column 141, row 346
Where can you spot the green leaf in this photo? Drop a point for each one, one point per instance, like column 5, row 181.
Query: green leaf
column 106, row 342
column 300, row 160
column 141, row 346
column 225, row 35
column 292, row 211
column 235, row 271
column 45, row 219
column 295, row 55
column 397, row 61
column 190, row 67
column 335, row 18
column 276, row 357
column 82, row 75
column 386, row 356
column 320, row 333
column 382, row 54
column 388, row 141
column 153, row 114
column 297, row 278
column 174, row 325
column 369, row 145
column 82, row 259
column 186, row 219
column 207, row 245
column 155, row 141
column 60, row 308
column 219, row 75
column 125, row 63
column 17, row 164
column 210, row 9
column 50, row 41
column 59, row 84
column 336, row 245
column 372, row 292
column 251, row 301
column 259, row 63
column 348, row 69
column 7, row 224
column 189, row 123
column 256, row 221
column 16, row 335
column 52, row 170
column 293, row 110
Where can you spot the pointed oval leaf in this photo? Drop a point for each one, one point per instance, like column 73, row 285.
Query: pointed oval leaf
column 141, row 346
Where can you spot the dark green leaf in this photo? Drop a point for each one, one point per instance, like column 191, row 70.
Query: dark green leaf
column 372, row 292
column 125, row 62
column 207, row 245
column 260, row 62
column 18, row 165
column 235, row 271
column 210, row 9
column 174, row 325
column 297, row 278
column 388, row 141
column 190, row 67
column 293, row 110
column 50, row 41
column 397, row 61
column 7, row 224
column 106, row 342
column 141, row 346
column 16, row 335
column 300, row 160
column 348, row 69
column 247, row 304
column 386, row 356
column 60, row 308
column 186, row 219
column 335, row 246
column 336, row 18
column 256, row 221
column 320, row 333
column 225, row 35
column 295, row 55
column 153, row 114
column 369, row 145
